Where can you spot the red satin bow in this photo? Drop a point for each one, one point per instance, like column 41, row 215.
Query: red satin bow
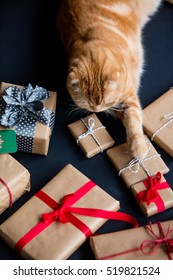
column 151, row 193
column 60, row 213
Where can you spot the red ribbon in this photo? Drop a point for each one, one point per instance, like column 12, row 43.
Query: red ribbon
column 151, row 193
column 8, row 190
column 64, row 213
column 149, row 247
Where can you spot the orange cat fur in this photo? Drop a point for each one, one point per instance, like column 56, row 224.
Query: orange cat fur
column 103, row 40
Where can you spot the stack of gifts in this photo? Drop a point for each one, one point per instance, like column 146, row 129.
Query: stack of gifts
column 157, row 122
column 91, row 135
column 31, row 113
column 144, row 178
column 151, row 242
column 14, row 181
column 59, row 218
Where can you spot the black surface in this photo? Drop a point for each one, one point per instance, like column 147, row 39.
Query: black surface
column 31, row 51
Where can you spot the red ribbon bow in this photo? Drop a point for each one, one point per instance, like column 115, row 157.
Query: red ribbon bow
column 60, row 213
column 151, row 193
column 149, row 247
column 64, row 213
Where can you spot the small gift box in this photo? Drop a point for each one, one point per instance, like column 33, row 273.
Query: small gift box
column 153, row 195
column 152, row 242
column 59, row 218
column 158, row 121
column 91, row 135
column 14, row 181
column 134, row 170
column 31, row 113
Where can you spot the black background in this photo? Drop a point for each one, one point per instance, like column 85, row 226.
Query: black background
column 31, row 52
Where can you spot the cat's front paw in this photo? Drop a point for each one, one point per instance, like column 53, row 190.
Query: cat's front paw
column 139, row 147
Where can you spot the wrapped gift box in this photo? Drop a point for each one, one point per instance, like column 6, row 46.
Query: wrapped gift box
column 91, row 144
column 135, row 244
column 157, row 121
column 14, row 180
column 58, row 240
column 137, row 171
column 33, row 136
column 153, row 195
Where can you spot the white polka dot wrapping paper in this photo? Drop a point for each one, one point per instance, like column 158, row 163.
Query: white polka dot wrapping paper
column 31, row 113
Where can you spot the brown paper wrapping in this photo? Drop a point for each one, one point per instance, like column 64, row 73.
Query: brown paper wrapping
column 120, row 158
column 153, row 120
column 58, row 241
column 15, row 176
column 119, row 242
column 151, row 209
column 88, row 144
column 42, row 132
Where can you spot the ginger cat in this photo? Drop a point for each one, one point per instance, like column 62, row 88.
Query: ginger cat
column 103, row 40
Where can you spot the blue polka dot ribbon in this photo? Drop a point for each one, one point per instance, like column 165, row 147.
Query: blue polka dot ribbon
column 22, row 109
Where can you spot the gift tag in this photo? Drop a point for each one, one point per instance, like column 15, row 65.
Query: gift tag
column 8, row 142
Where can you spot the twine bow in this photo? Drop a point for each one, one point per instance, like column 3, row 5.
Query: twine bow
column 149, row 247
column 90, row 131
column 169, row 118
column 134, row 165
column 24, row 103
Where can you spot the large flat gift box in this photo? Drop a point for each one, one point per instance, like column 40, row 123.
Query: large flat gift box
column 49, row 236
column 133, row 172
column 152, row 242
column 91, row 135
column 154, row 195
column 158, row 121
column 14, row 181
column 33, row 130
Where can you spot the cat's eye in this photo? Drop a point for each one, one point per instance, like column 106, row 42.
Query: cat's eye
column 75, row 84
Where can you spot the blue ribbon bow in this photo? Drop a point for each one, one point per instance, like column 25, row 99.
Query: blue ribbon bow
column 20, row 104
column 22, row 109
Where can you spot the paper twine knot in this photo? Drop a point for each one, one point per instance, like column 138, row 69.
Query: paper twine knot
column 149, row 247
column 134, row 165
column 90, row 131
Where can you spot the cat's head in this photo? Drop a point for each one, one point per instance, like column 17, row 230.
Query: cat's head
column 96, row 78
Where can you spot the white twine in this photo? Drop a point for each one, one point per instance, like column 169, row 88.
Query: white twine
column 135, row 163
column 168, row 117
column 90, row 131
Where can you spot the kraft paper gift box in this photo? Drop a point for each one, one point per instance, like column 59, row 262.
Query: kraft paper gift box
column 57, row 240
column 136, row 172
column 91, row 144
column 143, row 243
column 14, row 181
column 35, row 118
column 153, row 195
column 157, row 121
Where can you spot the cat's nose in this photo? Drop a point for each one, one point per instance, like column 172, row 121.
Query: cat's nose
column 96, row 108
